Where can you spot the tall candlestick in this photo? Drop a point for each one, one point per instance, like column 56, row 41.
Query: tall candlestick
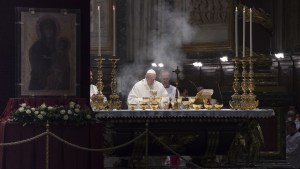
column 114, row 31
column 250, row 11
column 243, row 31
column 236, row 32
column 99, row 32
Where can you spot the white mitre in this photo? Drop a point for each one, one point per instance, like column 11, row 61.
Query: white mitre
column 151, row 71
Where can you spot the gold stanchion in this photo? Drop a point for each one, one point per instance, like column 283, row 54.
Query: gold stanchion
column 99, row 102
column 236, row 97
column 114, row 99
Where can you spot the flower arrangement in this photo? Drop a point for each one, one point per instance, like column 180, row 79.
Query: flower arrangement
column 71, row 114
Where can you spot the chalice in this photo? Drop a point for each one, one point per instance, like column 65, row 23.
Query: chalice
column 143, row 105
column 132, row 106
column 154, row 105
column 191, row 100
column 185, row 101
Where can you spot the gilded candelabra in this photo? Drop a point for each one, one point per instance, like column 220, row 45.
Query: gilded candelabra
column 244, row 85
column 252, row 102
column 236, row 97
column 114, row 99
column 99, row 102
column 176, row 102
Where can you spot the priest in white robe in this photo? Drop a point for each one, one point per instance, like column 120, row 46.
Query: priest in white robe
column 164, row 77
column 293, row 145
column 143, row 87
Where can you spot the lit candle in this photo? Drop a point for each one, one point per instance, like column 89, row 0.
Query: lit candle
column 243, row 31
column 114, row 31
column 236, row 32
column 250, row 11
column 99, row 32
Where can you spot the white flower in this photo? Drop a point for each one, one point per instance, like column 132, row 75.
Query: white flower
column 23, row 105
column 77, row 110
column 88, row 116
column 21, row 109
column 50, row 108
column 40, row 116
column 36, row 112
column 69, row 111
column 66, row 117
column 43, row 106
column 28, row 111
column 62, row 111
column 72, row 104
column 32, row 109
column 43, row 113
column 77, row 106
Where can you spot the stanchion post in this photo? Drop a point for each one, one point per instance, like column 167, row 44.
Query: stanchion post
column 146, row 146
column 47, row 146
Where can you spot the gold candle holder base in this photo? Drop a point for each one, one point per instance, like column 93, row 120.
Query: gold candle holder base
column 235, row 103
column 114, row 102
column 99, row 102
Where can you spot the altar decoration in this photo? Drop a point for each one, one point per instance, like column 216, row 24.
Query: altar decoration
column 71, row 114
column 244, row 81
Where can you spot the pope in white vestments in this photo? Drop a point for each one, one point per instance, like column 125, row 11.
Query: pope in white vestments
column 143, row 87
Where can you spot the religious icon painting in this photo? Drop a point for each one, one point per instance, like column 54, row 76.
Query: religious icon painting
column 47, row 51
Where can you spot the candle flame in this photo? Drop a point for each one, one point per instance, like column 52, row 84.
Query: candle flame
column 113, row 7
column 236, row 8
column 98, row 8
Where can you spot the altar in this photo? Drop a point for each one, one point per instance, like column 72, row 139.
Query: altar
column 202, row 134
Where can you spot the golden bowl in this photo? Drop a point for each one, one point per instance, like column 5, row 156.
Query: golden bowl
column 154, row 105
column 143, row 105
column 132, row 106
column 218, row 106
column 197, row 106
column 208, row 106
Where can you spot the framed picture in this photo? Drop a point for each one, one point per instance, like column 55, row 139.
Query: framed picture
column 48, row 49
column 213, row 20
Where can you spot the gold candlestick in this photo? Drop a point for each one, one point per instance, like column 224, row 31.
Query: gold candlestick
column 236, row 97
column 98, row 102
column 114, row 102
column 252, row 102
column 244, row 85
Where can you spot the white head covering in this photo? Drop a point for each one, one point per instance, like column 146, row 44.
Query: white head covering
column 151, row 71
